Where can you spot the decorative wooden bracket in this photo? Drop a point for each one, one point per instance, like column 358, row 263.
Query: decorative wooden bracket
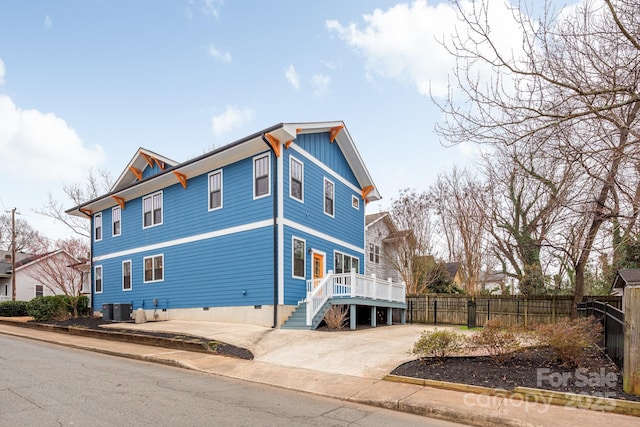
column 119, row 200
column 182, row 178
column 365, row 192
column 136, row 172
column 148, row 158
column 333, row 132
column 160, row 164
column 288, row 143
column 85, row 211
column 274, row 143
column 298, row 130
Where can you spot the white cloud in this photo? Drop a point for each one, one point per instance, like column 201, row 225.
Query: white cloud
column 320, row 83
column 211, row 7
column 2, row 71
column 292, row 76
column 232, row 118
column 35, row 145
column 222, row 56
column 48, row 23
column 403, row 42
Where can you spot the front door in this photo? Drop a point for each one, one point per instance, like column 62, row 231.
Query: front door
column 318, row 269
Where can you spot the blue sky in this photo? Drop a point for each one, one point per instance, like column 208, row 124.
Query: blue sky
column 84, row 84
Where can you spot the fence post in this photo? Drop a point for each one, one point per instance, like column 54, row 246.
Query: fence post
column 631, row 359
column 526, row 312
column 488, row 310
column 471, row 314
column 517, row 311
column 435, row 312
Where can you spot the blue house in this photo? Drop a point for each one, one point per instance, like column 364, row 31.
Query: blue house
column 251, row 232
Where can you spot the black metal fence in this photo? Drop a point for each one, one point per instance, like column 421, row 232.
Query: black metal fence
column 612, row 321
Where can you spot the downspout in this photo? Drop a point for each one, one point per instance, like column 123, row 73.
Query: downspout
column 274, row 192
column 90, row 260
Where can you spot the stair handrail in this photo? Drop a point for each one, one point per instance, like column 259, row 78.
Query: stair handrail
column 318, row 296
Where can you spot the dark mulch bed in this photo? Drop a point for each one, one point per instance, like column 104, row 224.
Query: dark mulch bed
column 214, row 346
column 534, row 367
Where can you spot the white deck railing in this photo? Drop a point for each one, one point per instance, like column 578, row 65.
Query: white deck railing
column 352, row 285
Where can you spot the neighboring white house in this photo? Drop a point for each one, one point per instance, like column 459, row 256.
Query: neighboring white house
column 380, row 226
column 29, row 275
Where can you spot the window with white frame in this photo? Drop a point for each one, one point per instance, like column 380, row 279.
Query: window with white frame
column 126, row 275
column 116, row 220
column 374, row 253
column 152, row 209
column 97, row 279
column 215, row 190
column 296, row 171
column 97, row 227
column 153, row 268
column 329, row 197
column 39, row 291
column 299, row 258
column 355, row 202
column 344, row 263
column 261, row 184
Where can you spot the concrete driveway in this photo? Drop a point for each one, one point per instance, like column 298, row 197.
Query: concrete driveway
column 368, row 353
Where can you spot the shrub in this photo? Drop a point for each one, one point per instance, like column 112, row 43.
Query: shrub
column 439, row 344
column 13, row 308
column 47, row 308
column 570, row 338
column 499, row 341
column 336, row 316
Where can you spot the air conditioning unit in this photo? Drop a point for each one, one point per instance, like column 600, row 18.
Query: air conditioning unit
column 107, row 312
column 122, row 312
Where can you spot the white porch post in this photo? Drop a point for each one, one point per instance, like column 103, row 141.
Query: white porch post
column 389, row 316
column 373, row 316
column 352, row 317
column 353, row 284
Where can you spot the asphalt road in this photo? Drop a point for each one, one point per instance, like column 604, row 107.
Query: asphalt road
column 47, row 385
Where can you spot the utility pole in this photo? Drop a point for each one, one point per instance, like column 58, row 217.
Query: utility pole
column 13, row 254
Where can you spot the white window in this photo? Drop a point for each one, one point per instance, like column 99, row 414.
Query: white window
column 296, row 172
column 97, row 227
column 374, row 253
column 126, row 275
column 152, row 209
column 328, row 197
column 299, row 258
column 115, row 219
column 355, row 202
column 345, row 263
column 39, row 291
column 215, row 190
column 261, row 180
column 97, row 279
column 154, row 268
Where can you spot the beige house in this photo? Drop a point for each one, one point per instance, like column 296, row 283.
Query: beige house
column 379, row 227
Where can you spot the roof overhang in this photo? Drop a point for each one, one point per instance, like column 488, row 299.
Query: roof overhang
column 251, row 145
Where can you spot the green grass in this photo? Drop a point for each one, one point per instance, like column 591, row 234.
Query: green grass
column 466, row 328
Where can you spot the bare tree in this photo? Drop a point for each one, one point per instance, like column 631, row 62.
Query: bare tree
column 407, row 249
column 572, row 92
column 462, row 206
column 97, row 183
column 28, row 239
column 61, row 270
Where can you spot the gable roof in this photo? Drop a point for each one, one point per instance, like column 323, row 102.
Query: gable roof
column 452, row 268
column 630, row 277
column 371, row 219
column 253, row 144
column 141, row 160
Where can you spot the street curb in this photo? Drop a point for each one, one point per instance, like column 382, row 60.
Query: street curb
column 567, row 400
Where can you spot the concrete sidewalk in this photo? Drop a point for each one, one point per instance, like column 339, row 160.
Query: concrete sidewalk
column 458, row 406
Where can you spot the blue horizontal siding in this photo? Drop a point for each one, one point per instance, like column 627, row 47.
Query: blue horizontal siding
column 319, row 146
column 295, row 289
column 149, row 171
column 210, row 273
column 186, row 211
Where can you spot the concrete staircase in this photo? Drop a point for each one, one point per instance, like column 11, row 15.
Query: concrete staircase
column 298, row 319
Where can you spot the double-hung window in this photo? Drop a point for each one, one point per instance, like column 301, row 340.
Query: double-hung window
column 261, row 184
column 152, row 209
column 329, row 204
column 374, row 253
column 97, row 279
column 126, row 275
column 298, row 258
column 215, row 190
column 97, row 227
column 39, row 291
column 296, row 188
column 116, row 220
column 154, row 268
